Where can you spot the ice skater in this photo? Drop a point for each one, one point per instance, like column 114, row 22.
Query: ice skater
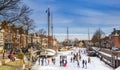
column 45, row 61
column 85, row 64
column 61, row 61
column 78, row 64
column 89, row 59
column 39, row 60
column 54, row 60
column 83, row 61
column 71, row 59
column 42, row 61
column 48, row 61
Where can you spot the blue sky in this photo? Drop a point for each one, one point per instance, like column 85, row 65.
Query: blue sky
column 78, row 15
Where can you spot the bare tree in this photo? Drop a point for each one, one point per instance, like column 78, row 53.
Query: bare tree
column 12, row 11
column 99, row 34
column 7, row 7
column 76, row 42
column 18, row 16
column 27, row 23
column 41, row 33
column 8, row 4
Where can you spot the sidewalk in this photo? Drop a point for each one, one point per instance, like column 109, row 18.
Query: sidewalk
column 5, row 55
column 5, row 58
column 10, row 65
column 16, row 65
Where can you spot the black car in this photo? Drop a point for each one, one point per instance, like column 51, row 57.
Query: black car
column 92, row 53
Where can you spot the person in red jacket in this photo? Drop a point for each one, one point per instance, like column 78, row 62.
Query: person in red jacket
column 12, row 57
column 48, row 61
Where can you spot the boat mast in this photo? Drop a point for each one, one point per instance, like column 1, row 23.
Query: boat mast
column 52, row 30
column 48, row 11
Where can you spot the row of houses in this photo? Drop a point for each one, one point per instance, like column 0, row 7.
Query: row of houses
column 17, row 37
column 112, row 40
column 109, row 49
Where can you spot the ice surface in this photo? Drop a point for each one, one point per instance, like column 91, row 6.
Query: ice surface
column 96, row 63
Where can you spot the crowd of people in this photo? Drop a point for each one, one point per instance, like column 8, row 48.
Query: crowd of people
column 75, row 58
column 63, row 60
column 78, row 58
column 43, row 61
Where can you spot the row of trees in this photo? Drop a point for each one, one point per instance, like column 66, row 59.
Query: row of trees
column 17, row 13
column 96, row 39
column 74, row 42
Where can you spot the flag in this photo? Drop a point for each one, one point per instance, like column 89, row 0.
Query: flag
column 48, row 12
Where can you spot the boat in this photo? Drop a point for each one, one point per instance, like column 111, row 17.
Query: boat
column 47, row 52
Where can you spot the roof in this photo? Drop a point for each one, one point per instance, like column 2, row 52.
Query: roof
column 116, row 31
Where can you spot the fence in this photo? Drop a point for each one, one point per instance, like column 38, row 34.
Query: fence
column 110, row 57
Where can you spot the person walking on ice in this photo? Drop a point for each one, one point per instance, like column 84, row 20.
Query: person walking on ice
column 71, row 59
column 83, row 61
column 89, row 59
column 78, row 64
column 39, row 60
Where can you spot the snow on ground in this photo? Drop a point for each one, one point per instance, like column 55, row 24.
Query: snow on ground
column 118, row 68
column 95, row 64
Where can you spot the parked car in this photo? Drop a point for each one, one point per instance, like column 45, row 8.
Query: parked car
column 92, row 53
column 115, row 49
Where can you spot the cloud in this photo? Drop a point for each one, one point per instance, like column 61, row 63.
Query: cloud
column 111, row 3
column 97, row 17
column 62, row 37
column 78, row 15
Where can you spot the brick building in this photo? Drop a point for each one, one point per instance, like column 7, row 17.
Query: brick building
column 113, row 40
column 116, row 38
column 12, row 36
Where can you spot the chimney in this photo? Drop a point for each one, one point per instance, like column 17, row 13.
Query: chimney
column 114, row 29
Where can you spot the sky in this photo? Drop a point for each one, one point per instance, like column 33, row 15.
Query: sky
column 77, row 15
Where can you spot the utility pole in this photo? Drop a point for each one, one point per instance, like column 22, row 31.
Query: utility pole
column 89, row 37
column 67, row 35
column 99, row 38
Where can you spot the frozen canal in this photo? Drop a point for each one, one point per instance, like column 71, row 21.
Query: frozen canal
column 95, row 64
